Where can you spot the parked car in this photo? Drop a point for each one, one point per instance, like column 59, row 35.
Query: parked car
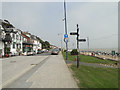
column 28, row 53
column 39, row 52
column 55, row 51
column 31, row 53
column 44, row 50
column 25, row 53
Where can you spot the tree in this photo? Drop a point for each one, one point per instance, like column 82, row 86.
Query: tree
column 45, row 44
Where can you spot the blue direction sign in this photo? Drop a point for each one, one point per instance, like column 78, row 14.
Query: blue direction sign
column 65, row 35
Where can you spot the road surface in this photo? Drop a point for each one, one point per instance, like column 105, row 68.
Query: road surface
column 39, row 71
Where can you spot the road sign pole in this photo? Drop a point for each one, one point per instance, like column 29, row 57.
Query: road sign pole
column 78, row 40
column 77, row 46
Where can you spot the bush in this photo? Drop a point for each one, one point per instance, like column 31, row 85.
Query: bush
column 65, row 50
column 74, row 52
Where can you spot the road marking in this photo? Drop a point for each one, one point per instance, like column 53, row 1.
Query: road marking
column 18, row 75
column 15, row 77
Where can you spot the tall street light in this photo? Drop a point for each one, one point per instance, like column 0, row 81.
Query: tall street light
column 66, row 35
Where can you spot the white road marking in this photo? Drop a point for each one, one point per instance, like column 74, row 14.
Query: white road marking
column 15, row 77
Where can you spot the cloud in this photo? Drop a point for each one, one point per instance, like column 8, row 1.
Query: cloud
column 95, row 20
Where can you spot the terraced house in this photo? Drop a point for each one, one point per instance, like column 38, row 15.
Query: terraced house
column 15, row 42
column 36, row 44
column 27, row 42
column 1, row 39
column 6, row 29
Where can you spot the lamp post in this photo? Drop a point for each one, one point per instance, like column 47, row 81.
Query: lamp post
column 66, row 30
column 60, row 34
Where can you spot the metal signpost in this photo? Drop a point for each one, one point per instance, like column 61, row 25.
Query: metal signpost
column 78, row 58
column 78, row 40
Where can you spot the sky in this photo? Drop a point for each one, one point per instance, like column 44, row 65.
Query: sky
column 96, row 20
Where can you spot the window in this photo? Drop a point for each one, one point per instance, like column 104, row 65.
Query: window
column 17, row 37
column 13, row 36
column 20, row 38
column 20, row 46
column 13, row 44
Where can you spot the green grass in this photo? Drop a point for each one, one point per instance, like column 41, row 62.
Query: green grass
column 94, row 77
column 88, row 59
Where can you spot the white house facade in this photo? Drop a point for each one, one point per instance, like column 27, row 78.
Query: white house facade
column 16, row 44
column 37, row 46
column 2, row 34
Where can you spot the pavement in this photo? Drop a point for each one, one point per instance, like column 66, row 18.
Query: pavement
column 109, row 57
column 91, row 64
column 40, row 71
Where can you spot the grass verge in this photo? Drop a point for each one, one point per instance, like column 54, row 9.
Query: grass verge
column 89, row 59
column 94, row 77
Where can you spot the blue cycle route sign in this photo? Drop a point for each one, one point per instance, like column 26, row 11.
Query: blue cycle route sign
column 65, row 35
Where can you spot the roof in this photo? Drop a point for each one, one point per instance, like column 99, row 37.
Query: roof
column 25, row 36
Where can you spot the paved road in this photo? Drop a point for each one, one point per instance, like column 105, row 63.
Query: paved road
column 40, row 71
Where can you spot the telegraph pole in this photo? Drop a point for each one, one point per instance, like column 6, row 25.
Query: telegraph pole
column 66, row 30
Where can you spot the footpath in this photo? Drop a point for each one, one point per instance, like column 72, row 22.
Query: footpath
column 49, row 73
column 53, row 74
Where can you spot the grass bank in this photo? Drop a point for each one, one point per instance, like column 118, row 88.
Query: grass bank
column 94, row 77
column 89, row 59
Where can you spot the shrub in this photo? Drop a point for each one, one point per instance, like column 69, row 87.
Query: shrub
column 65, row 50
column 74, row 52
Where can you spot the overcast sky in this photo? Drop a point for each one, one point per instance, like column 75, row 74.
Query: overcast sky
column 97, row 20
